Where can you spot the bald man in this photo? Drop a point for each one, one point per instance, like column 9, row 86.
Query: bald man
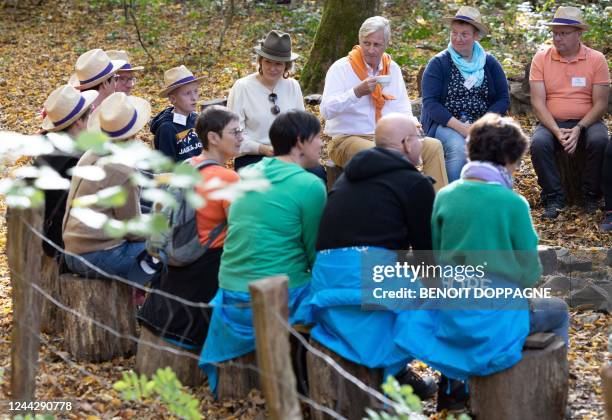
column 381, row 200
column 397, row 211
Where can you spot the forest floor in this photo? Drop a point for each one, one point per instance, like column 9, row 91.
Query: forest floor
column 38, row 48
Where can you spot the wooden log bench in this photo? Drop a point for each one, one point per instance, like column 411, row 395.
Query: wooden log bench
column 235, row 380
column 536, row 388
column 51, row 317
column 105, row 301
column 329, row 388
column 149, row 358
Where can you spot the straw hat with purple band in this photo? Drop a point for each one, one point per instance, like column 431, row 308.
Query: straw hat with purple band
column 276, row 47
column 64, row 106
column 177, row 77
column 469, row 15
column 568, row 16
column 122, row 55
column 120, row 116
column 93, row 68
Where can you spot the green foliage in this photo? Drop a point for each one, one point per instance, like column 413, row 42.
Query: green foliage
column 409, row 404
column 35, row 417
column 163, row 386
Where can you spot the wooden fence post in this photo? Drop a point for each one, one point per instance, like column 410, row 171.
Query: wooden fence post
column 270, row 299
column 24, row 257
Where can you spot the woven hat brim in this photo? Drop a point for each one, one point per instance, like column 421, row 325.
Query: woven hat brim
column 293, row 57
column 89, row 95
column 117, row 64
column 481, row 27
column 137, row 68
column 575, row 25
column 143, row 108
column 166, row 91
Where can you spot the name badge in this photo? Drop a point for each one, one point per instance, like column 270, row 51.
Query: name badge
column 470, row 82
column 179, row 118
column 578, row 81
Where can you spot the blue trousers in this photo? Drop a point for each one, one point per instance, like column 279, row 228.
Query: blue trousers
column 115, row 261
column 549, row 315
column 455, row 153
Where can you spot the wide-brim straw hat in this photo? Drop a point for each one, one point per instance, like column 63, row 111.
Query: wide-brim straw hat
column 120, row 116
column 277, row 47
column 64, row 106
column 177, row 77
column 122, row 55
column 568, row 16
column 93, row 68
column 469, row 15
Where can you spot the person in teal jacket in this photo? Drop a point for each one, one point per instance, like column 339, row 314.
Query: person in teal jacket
column 270, row 232
column 480, row 220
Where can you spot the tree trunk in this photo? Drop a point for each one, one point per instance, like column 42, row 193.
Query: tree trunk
column 534, row 389
column 108, row 303
column 330, row 389
column 336, row 35
column 150, row 358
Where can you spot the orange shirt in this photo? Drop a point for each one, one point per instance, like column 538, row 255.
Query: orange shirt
column 215, row 211
column 569, row 84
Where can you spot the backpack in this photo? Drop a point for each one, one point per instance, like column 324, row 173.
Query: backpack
column 180, row 245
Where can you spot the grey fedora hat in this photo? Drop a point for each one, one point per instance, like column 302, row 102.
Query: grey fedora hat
column 277, row 47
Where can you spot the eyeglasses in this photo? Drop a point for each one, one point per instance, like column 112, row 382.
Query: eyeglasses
column 125, row 80
column 237, row 132
column 273, row 97
column 563, row 34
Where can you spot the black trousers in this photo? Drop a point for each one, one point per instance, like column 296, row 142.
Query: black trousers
column 543, row 147
column 607, row 176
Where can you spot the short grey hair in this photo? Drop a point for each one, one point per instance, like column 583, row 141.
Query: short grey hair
column 375, row 24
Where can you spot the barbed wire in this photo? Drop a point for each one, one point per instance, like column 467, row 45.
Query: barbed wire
column 288, row 387
column 174, row 350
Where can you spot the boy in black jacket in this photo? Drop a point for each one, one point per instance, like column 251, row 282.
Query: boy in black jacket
column 174, row 127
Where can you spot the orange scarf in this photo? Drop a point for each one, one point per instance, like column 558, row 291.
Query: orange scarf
column 359, row 67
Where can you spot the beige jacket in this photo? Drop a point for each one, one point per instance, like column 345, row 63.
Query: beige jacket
column 80, row 238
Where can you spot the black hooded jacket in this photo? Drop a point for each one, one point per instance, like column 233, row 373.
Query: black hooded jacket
column 177, row 141
column 381, row 200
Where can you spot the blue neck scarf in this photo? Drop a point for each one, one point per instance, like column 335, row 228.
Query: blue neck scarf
column 488, row 172
column 474, row 68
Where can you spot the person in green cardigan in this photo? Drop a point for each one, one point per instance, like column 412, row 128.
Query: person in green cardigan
column 480, row 219
column 270, row 232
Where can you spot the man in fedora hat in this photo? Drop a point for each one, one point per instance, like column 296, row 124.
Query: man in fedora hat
column 94, row 70
column 363, row 87
column 66, row 111
column 120, row 117
column 460, row 85
column 125, row 79
column 173, row 128
column 569, row 94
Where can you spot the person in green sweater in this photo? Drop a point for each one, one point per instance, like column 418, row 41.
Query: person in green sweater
column 480, row 220
column 269, row 233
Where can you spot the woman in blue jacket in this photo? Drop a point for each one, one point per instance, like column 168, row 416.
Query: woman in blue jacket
column 460, row 85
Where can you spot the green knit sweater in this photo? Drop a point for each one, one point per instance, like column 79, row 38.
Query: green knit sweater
column 477, row 222
column 275, row 231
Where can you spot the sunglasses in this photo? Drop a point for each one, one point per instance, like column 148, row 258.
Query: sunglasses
column 273, row 97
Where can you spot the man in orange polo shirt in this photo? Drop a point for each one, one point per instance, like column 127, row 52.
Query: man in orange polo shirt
column 569, row 94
